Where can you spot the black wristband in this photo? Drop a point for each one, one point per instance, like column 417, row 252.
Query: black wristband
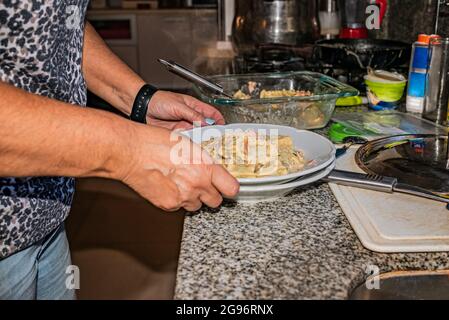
column 140, row 106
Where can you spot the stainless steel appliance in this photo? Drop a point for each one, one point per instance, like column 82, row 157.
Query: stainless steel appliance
column 287, row 22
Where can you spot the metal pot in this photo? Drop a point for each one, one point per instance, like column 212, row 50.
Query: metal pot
column 287, row 22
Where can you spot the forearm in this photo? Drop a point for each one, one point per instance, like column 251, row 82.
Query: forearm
column 106, row 75
column 45, row 137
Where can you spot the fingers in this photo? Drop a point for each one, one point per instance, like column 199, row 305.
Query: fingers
column 174, row 107
column 175, row 193
column 166, row 196
column 183, row 125
column 211, row 198
column 193, row 206
column 205, row 109
column 207, row 195
column 172, row 194
column 190, row 115
column 224, row 182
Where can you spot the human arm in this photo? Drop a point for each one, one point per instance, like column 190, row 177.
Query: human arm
column 112, row 80
column 45, row 137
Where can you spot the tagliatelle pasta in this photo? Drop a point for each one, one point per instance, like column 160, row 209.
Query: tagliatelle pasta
column 251, row 155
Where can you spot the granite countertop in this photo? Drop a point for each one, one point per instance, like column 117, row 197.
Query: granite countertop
column 298, row 247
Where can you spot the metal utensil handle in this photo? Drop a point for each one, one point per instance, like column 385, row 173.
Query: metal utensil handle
column 419, row 192
column 364, row 181
column 190, row 75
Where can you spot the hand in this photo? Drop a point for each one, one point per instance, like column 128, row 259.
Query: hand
column 177, row 111
column 173, row 180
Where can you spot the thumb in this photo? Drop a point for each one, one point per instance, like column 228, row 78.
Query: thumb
column 224, row 182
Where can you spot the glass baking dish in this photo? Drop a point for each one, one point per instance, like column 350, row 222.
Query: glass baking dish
column 308, row 112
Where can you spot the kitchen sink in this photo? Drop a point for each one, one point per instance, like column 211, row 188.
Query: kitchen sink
column 407, row 286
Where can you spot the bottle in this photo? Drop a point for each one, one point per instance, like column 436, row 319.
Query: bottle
column 419, row 67
column 437, row 82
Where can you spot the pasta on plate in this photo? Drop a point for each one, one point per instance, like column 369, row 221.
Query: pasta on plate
column 247, row 154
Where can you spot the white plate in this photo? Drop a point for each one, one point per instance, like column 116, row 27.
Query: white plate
column 259, row 193
column 317, row 149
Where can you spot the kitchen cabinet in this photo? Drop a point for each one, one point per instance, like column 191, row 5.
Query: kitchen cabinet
column 119, row 30
column 177, row 36
column 165, row 36
column 204, row 31
column 204, row 35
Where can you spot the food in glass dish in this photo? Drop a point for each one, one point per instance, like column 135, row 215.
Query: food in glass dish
column 253, row 90
column 308, row 112
column 247, row 154
column 267, row 94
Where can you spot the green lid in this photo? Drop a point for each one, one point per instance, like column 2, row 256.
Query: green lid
column 339, row 132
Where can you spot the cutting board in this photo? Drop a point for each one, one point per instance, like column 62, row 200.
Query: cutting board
column 392, row 223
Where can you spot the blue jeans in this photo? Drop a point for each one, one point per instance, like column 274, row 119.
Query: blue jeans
column 38, row 272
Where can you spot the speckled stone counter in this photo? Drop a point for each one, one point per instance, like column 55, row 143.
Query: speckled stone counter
column 298, row 247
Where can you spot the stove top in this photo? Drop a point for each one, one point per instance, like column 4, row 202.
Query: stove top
column 281, row 58
column 253, row 64
column 270, row 58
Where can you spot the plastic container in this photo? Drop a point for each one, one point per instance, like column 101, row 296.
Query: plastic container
column 385, row 89
column 373, row 125
column 308, row 112
column 419, row 66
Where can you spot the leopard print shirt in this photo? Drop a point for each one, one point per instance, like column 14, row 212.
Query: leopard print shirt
column 41, row 45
